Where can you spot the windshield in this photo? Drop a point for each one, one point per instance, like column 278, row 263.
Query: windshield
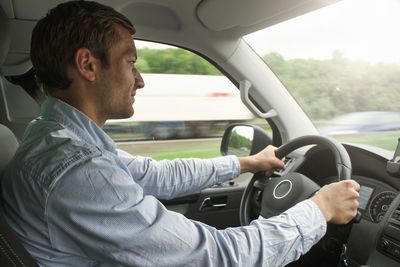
column 342, row 65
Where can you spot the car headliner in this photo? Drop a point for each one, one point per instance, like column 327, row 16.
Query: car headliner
column 172, row 22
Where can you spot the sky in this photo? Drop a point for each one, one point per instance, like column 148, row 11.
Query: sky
column 360, row 29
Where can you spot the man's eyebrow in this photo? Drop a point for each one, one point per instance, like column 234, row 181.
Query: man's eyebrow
column 130, row 52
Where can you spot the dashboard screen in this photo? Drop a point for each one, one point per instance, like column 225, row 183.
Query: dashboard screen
column 365, row 195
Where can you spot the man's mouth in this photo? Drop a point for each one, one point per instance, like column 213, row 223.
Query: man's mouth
column 133, row 96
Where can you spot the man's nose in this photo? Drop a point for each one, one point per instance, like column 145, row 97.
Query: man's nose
column 139, row 82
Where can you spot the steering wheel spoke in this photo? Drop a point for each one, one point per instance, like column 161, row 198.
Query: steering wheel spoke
column 260, row 184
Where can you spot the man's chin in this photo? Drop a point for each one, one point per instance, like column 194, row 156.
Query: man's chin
column 123, row 115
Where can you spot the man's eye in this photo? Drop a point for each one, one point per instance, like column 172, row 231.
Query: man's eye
column 132, row 62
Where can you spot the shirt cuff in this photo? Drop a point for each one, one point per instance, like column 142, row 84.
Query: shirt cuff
column 311, row 227
column 227, row 167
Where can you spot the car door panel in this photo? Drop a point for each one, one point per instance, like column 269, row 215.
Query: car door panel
column 217, row 206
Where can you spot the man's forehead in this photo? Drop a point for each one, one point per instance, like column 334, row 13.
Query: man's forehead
column 126, row 37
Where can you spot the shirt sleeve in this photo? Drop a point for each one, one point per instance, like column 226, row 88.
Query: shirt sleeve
column 97, row 210
column 168, row 179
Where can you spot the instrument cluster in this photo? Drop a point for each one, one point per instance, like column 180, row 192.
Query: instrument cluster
column 375, row 198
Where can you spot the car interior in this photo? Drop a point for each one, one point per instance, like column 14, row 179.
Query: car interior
column 214, row 30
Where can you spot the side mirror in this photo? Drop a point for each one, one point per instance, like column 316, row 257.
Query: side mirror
column 242, row 140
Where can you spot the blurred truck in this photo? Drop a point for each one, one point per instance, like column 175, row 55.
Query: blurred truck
column 181, row 106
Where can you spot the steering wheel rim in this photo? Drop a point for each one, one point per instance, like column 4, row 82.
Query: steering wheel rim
column 342, row 160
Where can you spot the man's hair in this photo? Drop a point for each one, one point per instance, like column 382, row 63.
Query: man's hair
column 65, row 29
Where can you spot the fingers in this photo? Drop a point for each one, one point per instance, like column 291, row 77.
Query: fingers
column 279, row 163
column 339, row 201
column 266, row 161
column 348, row 206
column 353, row 189
column 352, row 184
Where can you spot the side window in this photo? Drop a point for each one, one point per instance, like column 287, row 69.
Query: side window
column 183, row 109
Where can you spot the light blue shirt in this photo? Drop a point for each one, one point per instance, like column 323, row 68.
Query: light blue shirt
column 75, row 200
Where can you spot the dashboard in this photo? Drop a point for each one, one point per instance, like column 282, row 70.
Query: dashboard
column 376, row 238
column 375, row 197
column 378, row 188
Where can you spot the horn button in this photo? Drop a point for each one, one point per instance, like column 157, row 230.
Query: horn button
column 282, row 189
column 283, row 192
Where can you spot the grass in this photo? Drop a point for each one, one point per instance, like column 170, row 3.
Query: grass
column 158, row 150
column 386, row 140
column 204, row 152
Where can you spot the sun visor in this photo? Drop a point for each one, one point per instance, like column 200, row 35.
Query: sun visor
column 153, row 16
column 220, row 15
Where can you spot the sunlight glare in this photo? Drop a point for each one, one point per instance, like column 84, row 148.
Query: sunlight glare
column 359, row 29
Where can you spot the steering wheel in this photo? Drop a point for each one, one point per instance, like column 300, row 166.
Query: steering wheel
column 278, row 194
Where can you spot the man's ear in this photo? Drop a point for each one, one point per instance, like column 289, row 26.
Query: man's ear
column 85, row 63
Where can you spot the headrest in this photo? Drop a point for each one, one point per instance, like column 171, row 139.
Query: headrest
column 8, row 145
column 4, row 36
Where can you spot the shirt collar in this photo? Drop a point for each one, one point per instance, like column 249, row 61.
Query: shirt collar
column 76, row 121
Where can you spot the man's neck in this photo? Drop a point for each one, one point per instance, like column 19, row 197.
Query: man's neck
column 81, row 103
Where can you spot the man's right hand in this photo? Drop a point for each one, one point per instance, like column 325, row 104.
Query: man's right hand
column 338, row 201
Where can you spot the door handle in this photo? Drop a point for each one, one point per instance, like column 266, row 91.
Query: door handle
column 213, row 203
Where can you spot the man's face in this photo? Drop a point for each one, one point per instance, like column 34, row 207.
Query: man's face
column 119, row 81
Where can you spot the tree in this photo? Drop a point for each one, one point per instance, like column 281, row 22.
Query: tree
column 327, row 88
column 173, row 61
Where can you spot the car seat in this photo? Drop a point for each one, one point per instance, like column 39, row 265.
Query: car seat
column 12, row 252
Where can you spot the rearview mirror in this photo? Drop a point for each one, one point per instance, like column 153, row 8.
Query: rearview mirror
column 242, row 140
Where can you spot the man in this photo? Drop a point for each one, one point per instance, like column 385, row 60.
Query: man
column 75, row 200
